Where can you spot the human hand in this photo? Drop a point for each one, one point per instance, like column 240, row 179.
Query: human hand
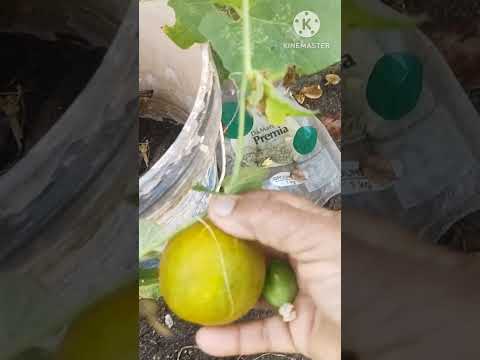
column 311, row 238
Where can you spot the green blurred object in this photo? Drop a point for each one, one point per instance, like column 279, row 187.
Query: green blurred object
column 34, row 353
column 280, row 283
column 148, row 280
column 250, row 179
column 395, row 85
column 230, row 120
column 107, row 330
column 305, row 140
column 358, row 16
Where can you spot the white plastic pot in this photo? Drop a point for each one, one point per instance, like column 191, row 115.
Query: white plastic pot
column 186, row 88
column 66, row 222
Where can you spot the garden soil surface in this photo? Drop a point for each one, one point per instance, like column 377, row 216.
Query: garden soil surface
column 453, row 25
column 328, row 108
column 51, row 75
column 159, row 134
column 182, row 346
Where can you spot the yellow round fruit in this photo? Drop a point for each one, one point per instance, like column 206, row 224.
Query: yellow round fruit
column 106, row 330
column 209, row 277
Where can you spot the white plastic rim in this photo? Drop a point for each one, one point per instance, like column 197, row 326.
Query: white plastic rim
column 185, row 85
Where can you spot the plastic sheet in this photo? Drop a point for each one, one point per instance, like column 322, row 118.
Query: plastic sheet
column 434, row 142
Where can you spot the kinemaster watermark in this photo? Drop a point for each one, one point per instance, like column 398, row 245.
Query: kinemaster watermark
column 306, row 24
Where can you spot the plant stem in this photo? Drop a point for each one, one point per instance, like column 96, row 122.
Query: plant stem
column 241, row 131
column 247, row 42
column 247, row 70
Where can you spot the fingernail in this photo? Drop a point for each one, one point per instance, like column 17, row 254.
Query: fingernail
column 222, row 205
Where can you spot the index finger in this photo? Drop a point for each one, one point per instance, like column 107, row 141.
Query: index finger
column 270, row 218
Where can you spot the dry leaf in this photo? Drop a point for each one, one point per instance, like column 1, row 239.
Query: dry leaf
column 298, row 175
column 11, row 106
column 332, row 79
column 378, row 170
column 261, row 107
column 144, row 149
column 291, row 77
column 146, row 93
column 145, row 97
column 148, row 310
column 312, row 92
column 268, row 162
column 333, row 126
column 300, row 98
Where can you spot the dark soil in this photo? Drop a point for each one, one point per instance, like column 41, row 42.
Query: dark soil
column 445, row 12
column 464, row 235
column 51, row 75
column 330, row 102
column 156, row 347
column 329, row 106
column 454, row 28
column 159, row 134
column 328, row 109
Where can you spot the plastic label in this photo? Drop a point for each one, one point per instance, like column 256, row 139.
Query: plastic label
column 284, row 179
column 354, row 182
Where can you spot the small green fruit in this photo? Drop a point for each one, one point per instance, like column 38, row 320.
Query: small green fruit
column 107, row 330
column 208, row 277
column 280, row 283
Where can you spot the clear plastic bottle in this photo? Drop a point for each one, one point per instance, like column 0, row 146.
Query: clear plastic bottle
column 186, row 86
column 302, row 157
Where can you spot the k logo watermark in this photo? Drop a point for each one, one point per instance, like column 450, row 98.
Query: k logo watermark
column 306, row 24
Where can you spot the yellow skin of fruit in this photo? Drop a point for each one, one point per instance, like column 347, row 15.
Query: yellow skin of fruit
column 208, row 277
column 106, row 330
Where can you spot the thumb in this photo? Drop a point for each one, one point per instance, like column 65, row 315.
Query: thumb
column 276, row 221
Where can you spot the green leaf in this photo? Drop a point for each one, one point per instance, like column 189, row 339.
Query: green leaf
column 203, row 189
column 258, row 90
column 188, row 14
column 151, row 238
column 355, row 16
column 151, row 291
column 148, row 276
column 183, row 35
column 233, row 3
column 272, row 30
column 223, row 73
column 250, row 179
column 198, row 21
column 278, row 108
column 149, row 287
